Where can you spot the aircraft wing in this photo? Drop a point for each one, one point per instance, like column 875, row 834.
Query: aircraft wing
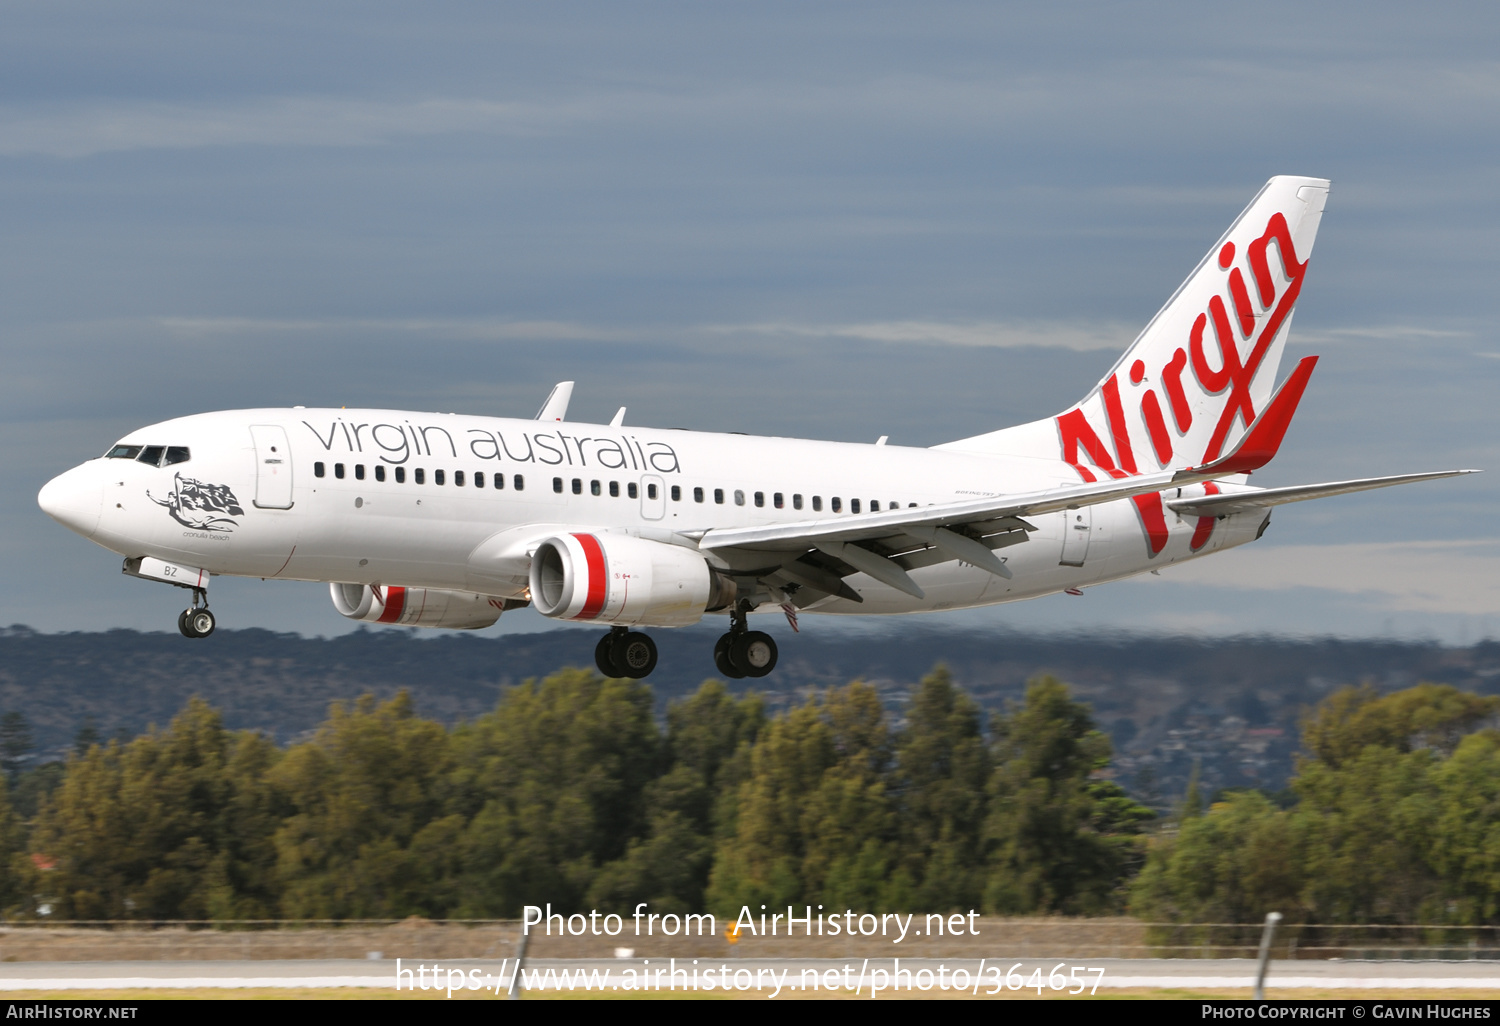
column 817, row 554
column 1241, row 502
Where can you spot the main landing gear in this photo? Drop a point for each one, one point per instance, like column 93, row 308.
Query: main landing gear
column 625, row 653
column 743, row 652
column 196, row 622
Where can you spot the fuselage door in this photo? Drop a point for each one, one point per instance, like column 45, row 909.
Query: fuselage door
column 273, row 467
column 653, row 497
column 1078, row 524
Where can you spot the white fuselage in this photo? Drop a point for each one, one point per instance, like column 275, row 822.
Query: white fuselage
column 322, row 514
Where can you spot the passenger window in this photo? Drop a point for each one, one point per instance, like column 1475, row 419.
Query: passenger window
column 796, row 501
column 379, row 472
column 176, row 454
column 651, row 491
column 437, row 477
column 123, row 452
column 719, row 496
column 817, row 503
column 853, row 505
column 338, row 471
column 557, row 485
column 150, row 454
column 633, row 490
column 874, row 505
column 499, row 482
column 776, row 501
column 739, row 497
column 359, row 472
column 594, row 488
column 317, row 470
column 519, row 482
column 697, row 494
column 836, row 504
column 911, row 505
column 760, row 498
column 458, row 479
column 419, row 475
column 578, row 486
column 676, row 493
column 401, row 475
column 614, row 489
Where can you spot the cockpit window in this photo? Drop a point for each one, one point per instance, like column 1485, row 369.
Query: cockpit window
column 177, row 454
column 151, row 455
column 123, row 452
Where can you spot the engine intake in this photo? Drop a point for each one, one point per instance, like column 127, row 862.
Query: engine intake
column 416, row 607
column 614, row 578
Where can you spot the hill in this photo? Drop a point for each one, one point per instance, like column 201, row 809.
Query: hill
column 1232, row 705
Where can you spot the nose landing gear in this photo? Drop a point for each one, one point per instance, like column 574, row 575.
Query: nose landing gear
column 196, row 622
column 625, row 653
column 743, row 652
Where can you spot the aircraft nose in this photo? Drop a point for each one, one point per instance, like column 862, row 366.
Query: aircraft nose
column 74, row 500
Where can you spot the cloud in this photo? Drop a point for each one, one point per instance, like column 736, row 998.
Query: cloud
column 86, row 130
column 1460, row 576
column 1144, row 103
column 1078, row 336
column 470, row 329
column 1376, row 333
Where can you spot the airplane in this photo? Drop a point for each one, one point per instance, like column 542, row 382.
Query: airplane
column 441, row 520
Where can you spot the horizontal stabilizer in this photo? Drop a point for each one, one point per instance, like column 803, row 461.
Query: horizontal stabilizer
column 1242, row 502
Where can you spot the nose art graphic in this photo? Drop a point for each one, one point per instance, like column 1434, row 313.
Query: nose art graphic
column 196, row 504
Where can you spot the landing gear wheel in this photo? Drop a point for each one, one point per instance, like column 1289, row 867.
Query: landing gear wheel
column 721, row 657
column 753, row 653
column 196, row 623
column 635, row 655
column 604, row 656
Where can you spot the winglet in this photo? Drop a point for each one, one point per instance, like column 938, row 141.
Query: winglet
column 556, row 406
column 1260, row 443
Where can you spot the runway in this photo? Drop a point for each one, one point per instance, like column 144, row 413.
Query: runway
column 769, row 977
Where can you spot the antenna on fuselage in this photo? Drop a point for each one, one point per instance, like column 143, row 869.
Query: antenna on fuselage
column 556, row 406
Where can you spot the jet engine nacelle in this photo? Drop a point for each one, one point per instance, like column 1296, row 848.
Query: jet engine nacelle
column 416, row 607
column 615, row 578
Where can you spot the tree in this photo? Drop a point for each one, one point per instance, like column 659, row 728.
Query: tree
column 1061, row 841
column 1435, row 716
column 174, row 825
column 1233, row 864
column 1397, row 821
column 814, row 822
column 366, row 834
column 1465, row 840
column 553, row 782
column 87, row 736
column 708, row 742
column 943, row 769
column 16, row 744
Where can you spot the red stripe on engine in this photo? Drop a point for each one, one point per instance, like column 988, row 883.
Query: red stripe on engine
column 395, row 604
column 593, row 554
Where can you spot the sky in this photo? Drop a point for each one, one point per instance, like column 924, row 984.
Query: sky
column 829, row 220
